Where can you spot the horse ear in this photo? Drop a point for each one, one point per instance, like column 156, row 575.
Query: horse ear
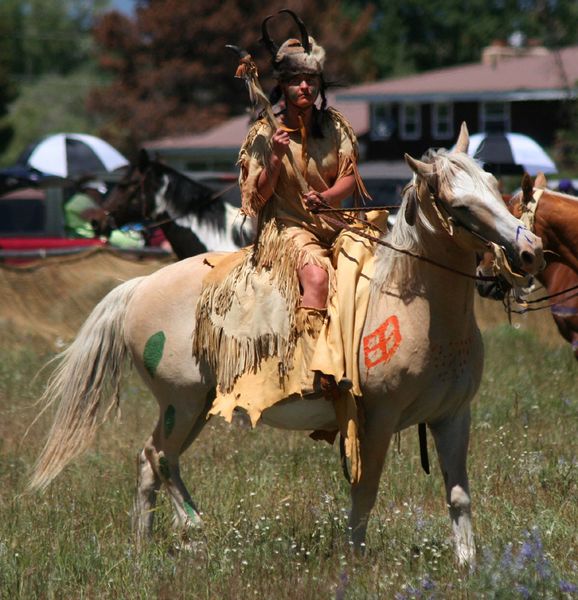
column 527, row 188
column 463, row 139
column 410, row 212
column 143, row 159
column 540, row 181
column 418, row 167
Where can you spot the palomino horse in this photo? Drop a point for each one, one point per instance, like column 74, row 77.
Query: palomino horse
column 421, row 358
column 555, row 220
column 193, row 217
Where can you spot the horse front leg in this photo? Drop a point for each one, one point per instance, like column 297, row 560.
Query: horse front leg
column 452, row 439
column 373, row 445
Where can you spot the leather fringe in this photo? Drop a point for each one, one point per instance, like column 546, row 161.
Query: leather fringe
column 227, row 356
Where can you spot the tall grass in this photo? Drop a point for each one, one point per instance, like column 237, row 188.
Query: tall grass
column 275, row 504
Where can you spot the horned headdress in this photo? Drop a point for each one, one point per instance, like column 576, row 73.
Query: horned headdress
column 294, row 56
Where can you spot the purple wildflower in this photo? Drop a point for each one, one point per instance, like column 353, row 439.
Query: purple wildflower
column 568, row 588
column 532, row 552
column 427, row 584
column 507, row 559
column 342, row 587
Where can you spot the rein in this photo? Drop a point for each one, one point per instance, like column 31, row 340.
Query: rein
column 526, row 308
column 342, row 222
column 357, row 209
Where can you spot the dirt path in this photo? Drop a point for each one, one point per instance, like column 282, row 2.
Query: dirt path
column 50, row 299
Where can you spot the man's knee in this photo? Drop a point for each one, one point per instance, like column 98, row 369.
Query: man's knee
column 314, row 276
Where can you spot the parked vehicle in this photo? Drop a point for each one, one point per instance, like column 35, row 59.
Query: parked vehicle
column 32, row 226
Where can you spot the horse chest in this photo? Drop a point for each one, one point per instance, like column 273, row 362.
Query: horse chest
column 420, row 369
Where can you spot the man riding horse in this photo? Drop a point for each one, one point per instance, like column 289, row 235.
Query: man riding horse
column 304, row 161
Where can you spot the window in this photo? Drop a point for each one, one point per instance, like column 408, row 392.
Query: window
column 494, row 117
column 382, row 123
column 442, row 120
column 410, row 122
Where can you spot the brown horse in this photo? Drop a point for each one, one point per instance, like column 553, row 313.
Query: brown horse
column 556, row 278
column 555, row 220
column 420, row 361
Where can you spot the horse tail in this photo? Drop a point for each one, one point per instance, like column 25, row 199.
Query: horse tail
column 89, row 371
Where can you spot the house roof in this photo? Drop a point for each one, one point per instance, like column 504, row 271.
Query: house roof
column 229, row 136
column 535, row 77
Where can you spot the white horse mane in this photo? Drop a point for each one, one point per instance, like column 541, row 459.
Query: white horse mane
column 396, row 267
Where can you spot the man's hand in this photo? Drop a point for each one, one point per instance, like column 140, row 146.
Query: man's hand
column 280, row 142
column 314, row 200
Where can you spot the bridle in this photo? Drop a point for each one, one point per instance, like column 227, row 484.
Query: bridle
column 528, row 217
column 449, row 220
column 139, row 193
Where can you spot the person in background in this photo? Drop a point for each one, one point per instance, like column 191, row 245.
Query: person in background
column 565, row 186
column 85, row 206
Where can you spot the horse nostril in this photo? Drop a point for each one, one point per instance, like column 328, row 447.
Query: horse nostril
column 527, row 257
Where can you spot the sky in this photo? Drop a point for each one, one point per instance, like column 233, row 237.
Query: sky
column 125, row 6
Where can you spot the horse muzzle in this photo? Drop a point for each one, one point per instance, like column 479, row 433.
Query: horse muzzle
column 530, row 254
column 105, row 226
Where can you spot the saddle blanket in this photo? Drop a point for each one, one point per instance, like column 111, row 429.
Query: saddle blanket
column 248, row 334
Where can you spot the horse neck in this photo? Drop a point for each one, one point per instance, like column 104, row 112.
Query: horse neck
column 555, row 272
column 411, row 277
column 200, row 223
column 183, row 240
column 180, row 195
column 168, row 196
column 557, row 224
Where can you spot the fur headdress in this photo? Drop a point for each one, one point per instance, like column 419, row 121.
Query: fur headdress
column 294, row 56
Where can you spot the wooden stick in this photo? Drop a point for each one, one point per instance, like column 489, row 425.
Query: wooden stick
column 247, row 70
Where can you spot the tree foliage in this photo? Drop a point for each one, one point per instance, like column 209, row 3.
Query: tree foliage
column 45, row 37
column 51, row 103
column 171, row 72
column 43, row 46
column 410, row 36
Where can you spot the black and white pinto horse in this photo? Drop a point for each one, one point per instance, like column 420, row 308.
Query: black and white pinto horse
column 193, row 216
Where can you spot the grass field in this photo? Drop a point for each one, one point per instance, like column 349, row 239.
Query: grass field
column 275, row 504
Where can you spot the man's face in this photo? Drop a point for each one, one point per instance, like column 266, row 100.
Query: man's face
column 302, row 90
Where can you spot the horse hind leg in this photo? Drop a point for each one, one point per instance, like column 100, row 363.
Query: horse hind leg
column 179, row 424
column 148, row 485
column 452, row 439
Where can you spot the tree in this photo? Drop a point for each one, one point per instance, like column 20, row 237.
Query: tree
column 41, row 45
column 409, row 36
column 46, row 37
column 52, row 103
column 172, row 74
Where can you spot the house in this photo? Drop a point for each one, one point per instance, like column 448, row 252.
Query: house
column 525, row 90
